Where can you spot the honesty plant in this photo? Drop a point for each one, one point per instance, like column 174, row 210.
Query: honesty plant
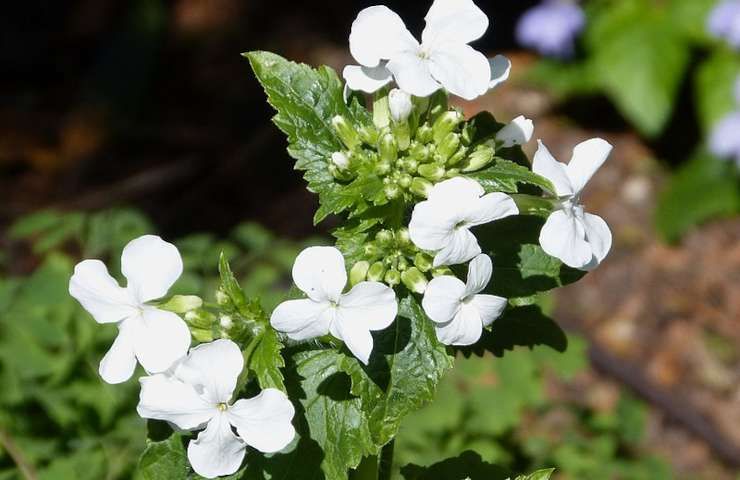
column 424, row 198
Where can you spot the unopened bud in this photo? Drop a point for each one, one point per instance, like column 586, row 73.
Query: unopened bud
column 403, row 238
column 424, row 134
column 384, row 238
column 202, row 335
column 452, row 172
column 200, row 318
column 182, row 303
column 410, row 165
column 376, row 272
column 431, row 171
column 423, row 262
column 226, row 322
column 371, row 250
column 392, row 191
column 368, row 134
column 441, row 271
column 400, row 105
column 222, row 298
column 340, row 159
column 448, row 146
column 388, row 148
column 346, row 132
column 445, row 124
column 383, row 167
column 468, row 133
column 402, row 264
column 404, row 180
column 358, row 273
column 458, row 157
column 339, row 173
column 419, row 152
column 414, row 280
column 421, row 187
column 392, row 277
column 479, row 158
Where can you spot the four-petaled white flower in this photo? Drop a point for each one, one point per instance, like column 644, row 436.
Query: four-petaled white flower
column 442, row 222
column 518, row 132
column 319, row 272
column 458, row 309
column 197, row 394
column 386, row 50
column 581, row 240
column 155, row 337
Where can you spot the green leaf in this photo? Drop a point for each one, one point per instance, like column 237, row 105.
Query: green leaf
column 714, row 84
column 467, row 465
column 703, row 188
column 504, row 176
column 640, row 59
column 163, row 459
column 404, row 370
column 564, row 79
column 266, row 360
column 690, row 17
column 538, row 475
column 521, row 267
column 306, row 100
column 230, row 285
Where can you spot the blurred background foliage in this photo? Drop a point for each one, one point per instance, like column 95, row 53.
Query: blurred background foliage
column 123, row 118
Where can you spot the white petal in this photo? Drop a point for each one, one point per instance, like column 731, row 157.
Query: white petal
column 544, row 164
column 518, row 132
column 355, row 335
column 461, row 69
column 500, row 70
column 151, row 266
column 458, row 189
column 563, row 237
column 164, row 397
column 119, row 363
column 480, row 270
column 400, row 105
column 443, row 298
column 465, row 329
column 587, row 158
column 320, row 273
column 212, row 368
column 598, row 236
column 160, row 339
column 456, row 20
column 264, row 421
column 489, row 307
column 99, row 293
column 217, row 451
column 366, row 79
column 371, row 304
column 462, row 247
column 490, row 207
column 377, row 34
column 302, row 319
column 431, row 227
column 412, row 74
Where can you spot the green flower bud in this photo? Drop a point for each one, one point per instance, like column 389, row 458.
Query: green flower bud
column 202, row 335
column 226, row 322
column 358, row 272
column 383, row 167
column 414, row 280
column 368, row 134
column 419, row 152
column 384, row 238
column 403, row 264
column 421, row 186
column 200, row 319
column 441, row 271
column 404, row 181
column 424, row 134
column 222, row 298
column 479, row 158
column 468, row 134
column 402, row 133
column 410, row 165
column 346, row 132
column 392, row 191
column 371, row 250
column 458, row 157
column 392, row 277
column 182, row 303
column 452, row 172
column 431, row 171
column 338, row 173
column 376, row 272
column 423, row 262
column 445, row 124
column 388, row 148
column 403, row 239
column 449, row 145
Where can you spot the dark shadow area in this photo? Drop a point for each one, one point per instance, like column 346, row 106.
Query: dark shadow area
column 467, row 465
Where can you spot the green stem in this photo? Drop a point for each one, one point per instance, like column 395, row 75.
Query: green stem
column 367, row 469
column 385, row 465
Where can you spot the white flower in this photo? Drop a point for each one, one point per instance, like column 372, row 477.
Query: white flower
column 198, row 393
column 340, row 159
column 500, row 70
column 581, row 240
column 383, row 47
column 319, row 272
column 458, row 309
column 518, row 132
column 154, row 337
column 442, row 222
column 400, row 105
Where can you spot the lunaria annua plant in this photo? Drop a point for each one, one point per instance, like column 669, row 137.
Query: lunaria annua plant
column 447, row 235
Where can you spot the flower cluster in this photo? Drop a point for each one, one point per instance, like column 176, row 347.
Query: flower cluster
column 192, row 390
column 725, row 140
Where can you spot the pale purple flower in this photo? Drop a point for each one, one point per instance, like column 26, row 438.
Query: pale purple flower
column 724, row 22
column 724, row 141
column 551, row 27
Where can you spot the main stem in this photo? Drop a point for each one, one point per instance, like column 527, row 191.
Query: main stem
column 376, row 467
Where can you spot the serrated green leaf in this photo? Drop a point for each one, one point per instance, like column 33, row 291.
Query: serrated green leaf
column 504, row 176
column 714, row 85
column 306, row 100
column 703, row 188
column 230, row 285
column 406, row 366
column 266, row 360
column 163, row 459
